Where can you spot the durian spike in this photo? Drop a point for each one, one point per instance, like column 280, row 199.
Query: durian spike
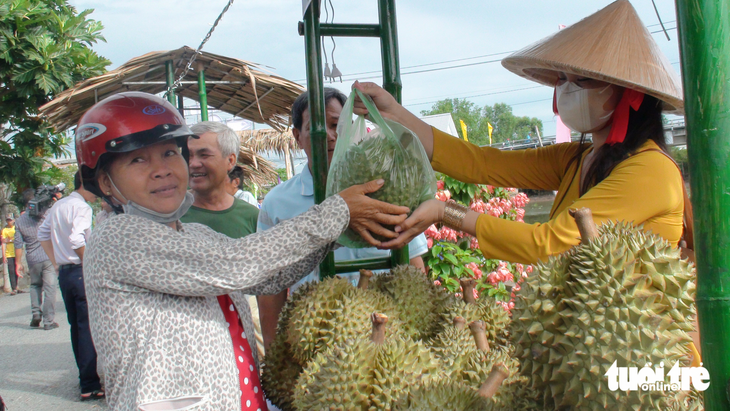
column 467, row 289
column 364, row 280
column 459, row 323
column 586, row 225
column 379, row 321
column 479, row 331
column 498, row 374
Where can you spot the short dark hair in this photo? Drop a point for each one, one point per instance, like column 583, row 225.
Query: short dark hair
column 302, row 103
column 237, row 173
column 28, row 194
column 77, row 180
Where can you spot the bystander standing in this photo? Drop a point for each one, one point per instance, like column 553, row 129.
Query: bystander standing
column 63, row 235
column 8, row 246
column 43, row 277
column 235, row 186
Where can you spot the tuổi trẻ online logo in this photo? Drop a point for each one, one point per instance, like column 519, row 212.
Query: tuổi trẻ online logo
column 654, row 379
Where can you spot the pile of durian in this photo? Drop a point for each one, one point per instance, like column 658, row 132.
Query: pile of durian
column 399, row 342
column 394, row 342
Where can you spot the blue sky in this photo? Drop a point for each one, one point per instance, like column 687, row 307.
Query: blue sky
column 265, row 32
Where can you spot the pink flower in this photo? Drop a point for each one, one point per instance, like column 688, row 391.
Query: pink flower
column 478, row 206
column 437, row 282
column 519, row 267
column 520, row 200
column 511, row 305
column 440, row 184
column 520, row 213
column 489, row 189
column 474, row 244
column 517, row 288
column 529, row 269
column 505, row 205
column 448, row 234
column 476, row 295
column 475, row 268
column 432, row 232
column 429, row 242
column 443, row 195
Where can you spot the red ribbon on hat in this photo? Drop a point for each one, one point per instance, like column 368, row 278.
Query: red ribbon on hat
column 631, row 99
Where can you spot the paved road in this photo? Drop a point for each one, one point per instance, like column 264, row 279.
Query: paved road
column 37, row 367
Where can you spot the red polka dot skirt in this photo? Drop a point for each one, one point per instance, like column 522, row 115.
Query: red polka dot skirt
column 252, row 396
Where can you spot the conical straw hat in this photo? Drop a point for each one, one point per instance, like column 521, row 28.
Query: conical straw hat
column 611, row 45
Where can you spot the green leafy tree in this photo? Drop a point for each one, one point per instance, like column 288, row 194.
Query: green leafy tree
column 45, row 48
column 506, row 126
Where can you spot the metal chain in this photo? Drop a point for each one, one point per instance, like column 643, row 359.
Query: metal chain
column 189, row 66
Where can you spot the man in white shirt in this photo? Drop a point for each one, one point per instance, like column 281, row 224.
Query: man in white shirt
column 235, row 186
column 63, row 235
column 296, row 195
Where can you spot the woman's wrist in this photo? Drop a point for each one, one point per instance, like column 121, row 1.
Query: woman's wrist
column 454, row 215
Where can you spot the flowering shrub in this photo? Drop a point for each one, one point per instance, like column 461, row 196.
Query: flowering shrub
column 453, row 254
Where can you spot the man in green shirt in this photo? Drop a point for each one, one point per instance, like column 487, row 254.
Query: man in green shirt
column 212, row 156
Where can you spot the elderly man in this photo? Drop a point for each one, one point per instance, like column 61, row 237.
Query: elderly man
column 296, row 195
column 212, row 157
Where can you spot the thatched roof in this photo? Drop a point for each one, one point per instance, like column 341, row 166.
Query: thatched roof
column 256, row 168
column 269, row 140
column 251, row 94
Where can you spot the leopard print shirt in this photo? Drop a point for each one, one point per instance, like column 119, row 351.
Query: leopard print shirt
column 153, row 310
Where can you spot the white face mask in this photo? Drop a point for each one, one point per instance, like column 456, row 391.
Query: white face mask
column 583, row 109
column 132, row 208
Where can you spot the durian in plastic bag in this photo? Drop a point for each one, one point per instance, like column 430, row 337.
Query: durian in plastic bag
column 389, row 151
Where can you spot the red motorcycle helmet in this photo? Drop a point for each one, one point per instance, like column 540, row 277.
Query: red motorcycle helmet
column 122, row 123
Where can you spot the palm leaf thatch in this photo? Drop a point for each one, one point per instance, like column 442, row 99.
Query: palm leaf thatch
column 269, row 140
column 234, row 86
column 256, row 169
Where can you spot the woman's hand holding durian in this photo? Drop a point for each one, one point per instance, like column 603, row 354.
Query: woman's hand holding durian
column 368, row 216
column 428, row 213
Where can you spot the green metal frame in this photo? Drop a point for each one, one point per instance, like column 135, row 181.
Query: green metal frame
column 170, row 80
column 704, row 34
column 313, row 31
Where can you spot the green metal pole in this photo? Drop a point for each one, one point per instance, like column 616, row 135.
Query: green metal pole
column 317, row 126
column 704, row 33
column 391, row 78
column 170, row 79
column 202, row 94
column 181, row 105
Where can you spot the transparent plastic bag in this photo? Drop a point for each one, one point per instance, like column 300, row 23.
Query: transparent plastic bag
column 389, row 151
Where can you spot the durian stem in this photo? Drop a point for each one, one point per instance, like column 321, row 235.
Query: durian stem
column 490, row 387
column 479, row 331
column 379, row 321
column 459, row 323
column 586, row 226
column 467, row 290
column 364, row 280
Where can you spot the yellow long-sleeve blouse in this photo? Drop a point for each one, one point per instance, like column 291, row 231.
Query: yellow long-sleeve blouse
column 646, row 188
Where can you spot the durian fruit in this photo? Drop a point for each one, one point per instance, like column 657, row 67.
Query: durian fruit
column 279, row 373
column 365, row 374
column 468, row 358
column 419, row 300
column 485, row 309
column 448, row 394
column 622, row 295
column 333, row 311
